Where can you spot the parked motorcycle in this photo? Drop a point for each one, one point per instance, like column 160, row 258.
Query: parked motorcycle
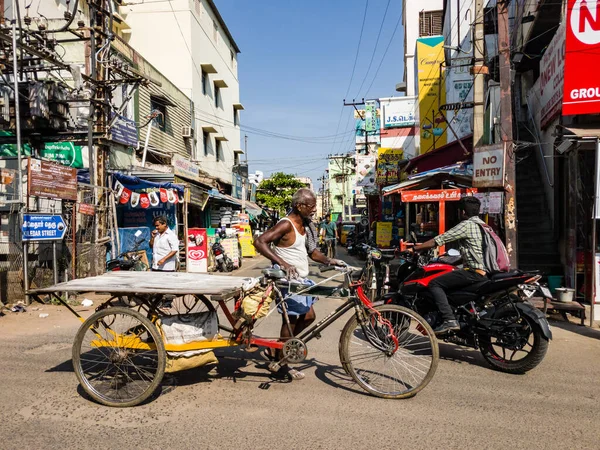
column 494, row 315
column 223, row 262
column 130, row 259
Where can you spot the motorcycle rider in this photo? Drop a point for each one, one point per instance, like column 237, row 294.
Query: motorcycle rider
column 468, row 233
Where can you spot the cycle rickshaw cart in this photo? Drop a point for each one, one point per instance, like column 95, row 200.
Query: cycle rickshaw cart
column 121, row 352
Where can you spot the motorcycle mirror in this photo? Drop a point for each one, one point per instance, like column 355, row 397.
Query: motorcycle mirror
column 453, row 252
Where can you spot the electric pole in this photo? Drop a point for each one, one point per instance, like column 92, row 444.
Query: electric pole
column 479, row 71
column 506, row 132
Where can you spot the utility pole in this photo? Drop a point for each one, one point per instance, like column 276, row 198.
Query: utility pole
column 244, row 179
column 479, row 71
column 506, row 132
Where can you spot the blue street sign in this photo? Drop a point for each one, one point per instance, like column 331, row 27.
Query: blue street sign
column 38, row 227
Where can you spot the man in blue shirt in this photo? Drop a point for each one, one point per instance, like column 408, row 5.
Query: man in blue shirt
column 329, row 232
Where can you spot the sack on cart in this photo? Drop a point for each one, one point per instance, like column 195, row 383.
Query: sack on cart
column 256, row 303
column 186, row 328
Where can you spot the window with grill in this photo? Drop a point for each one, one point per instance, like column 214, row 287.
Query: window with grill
column 430, row 23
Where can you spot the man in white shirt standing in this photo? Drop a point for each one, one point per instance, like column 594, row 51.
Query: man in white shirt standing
column 165, row 246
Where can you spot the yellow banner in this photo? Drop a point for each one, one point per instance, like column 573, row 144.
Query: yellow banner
column 432, row 92
column 387, row 165
column 383, row 235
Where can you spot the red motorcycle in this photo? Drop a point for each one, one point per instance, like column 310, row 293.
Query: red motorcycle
column 494, row 315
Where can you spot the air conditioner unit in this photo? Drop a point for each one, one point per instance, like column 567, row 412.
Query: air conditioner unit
column 187, row 132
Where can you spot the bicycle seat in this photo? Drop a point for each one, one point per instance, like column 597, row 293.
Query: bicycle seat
column 273, row 274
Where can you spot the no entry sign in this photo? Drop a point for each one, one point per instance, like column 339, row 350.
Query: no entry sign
column 488, row 166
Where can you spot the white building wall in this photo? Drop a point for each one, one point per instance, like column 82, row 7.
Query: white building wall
column 411, row 33
column 178, row 37
column 459, row 53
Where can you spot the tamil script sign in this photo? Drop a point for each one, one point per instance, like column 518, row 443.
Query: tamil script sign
column 43, row 227
column 398, row 112
column 582, row 81
column 488, row 166
column 51, row 180
column 388, row 160
column 434, row 195
column 185, row 168
column 552, row 67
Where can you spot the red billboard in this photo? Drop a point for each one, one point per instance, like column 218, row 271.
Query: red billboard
column 582, row 80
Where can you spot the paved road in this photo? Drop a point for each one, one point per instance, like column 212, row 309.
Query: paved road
column 241, row 406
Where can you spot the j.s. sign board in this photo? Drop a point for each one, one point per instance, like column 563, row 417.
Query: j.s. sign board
column 582, row 79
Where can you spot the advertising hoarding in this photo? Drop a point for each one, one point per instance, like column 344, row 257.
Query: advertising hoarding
column 582, row 81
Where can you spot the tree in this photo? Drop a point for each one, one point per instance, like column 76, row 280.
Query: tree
column 276, row 192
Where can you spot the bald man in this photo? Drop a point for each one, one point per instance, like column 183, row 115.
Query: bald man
column 295, row 240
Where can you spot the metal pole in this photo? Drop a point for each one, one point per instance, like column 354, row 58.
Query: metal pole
column 506, row 131
column 478, row 75
column 22, row 210
column 54, row 262
column 146, row 142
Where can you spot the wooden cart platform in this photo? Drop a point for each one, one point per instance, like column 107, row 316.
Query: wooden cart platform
column 173, row 283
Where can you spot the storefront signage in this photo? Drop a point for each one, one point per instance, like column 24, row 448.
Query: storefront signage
column 197, row 197
column 197, row 251
column 488, row 166
column 383, row 236
column 124, row 131
column 185, row 168
column 7, row 176
column 43, row 227
column 582, row 82
column 491, row 202
column 432, row 92
column 51, row 180
column 371, row 116
column 387, row 165
column 65, row 153
column 434, row 195
column 365, row 170
column 87, row 209
column 552, row 66
column 399, row 112
column 236, row 185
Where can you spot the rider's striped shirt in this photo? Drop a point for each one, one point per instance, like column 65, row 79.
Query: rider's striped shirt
column 470, row 241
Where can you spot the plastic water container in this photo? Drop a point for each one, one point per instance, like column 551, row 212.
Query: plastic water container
column 554, row 282
column 565, row 295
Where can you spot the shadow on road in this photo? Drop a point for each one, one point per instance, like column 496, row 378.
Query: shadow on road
column 451, row 352
column 586, row 331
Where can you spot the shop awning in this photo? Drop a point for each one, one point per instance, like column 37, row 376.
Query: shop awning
column 443, row 156
column 429, row 181
column 583, row 132
column 253, row 209
column 224, row 198
column 134, row 183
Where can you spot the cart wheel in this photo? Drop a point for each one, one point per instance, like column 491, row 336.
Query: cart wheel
column 119, row 357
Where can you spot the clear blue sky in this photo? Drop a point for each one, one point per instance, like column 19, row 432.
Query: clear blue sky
column 294, row 69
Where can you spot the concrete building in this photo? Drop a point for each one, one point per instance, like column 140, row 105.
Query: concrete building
column 307, row 182
column 189, row 42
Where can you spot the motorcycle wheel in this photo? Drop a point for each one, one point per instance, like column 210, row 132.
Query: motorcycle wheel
column 524, row 339
column 228, row 265
column 220, row 265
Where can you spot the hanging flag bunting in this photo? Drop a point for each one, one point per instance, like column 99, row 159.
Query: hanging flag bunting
column 163, row 195
column 171, row 196
column 119, row 189
column 135, row 199
column 125, row 196
column 144, row 200
column 154, row 200
column 180, row 197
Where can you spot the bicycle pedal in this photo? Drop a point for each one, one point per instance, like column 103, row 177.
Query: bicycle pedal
column 274, row 367
column 318, row 336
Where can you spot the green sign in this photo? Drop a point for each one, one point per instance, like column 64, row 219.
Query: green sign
column 10, row 150
column 65, row 153
column 370, row 115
